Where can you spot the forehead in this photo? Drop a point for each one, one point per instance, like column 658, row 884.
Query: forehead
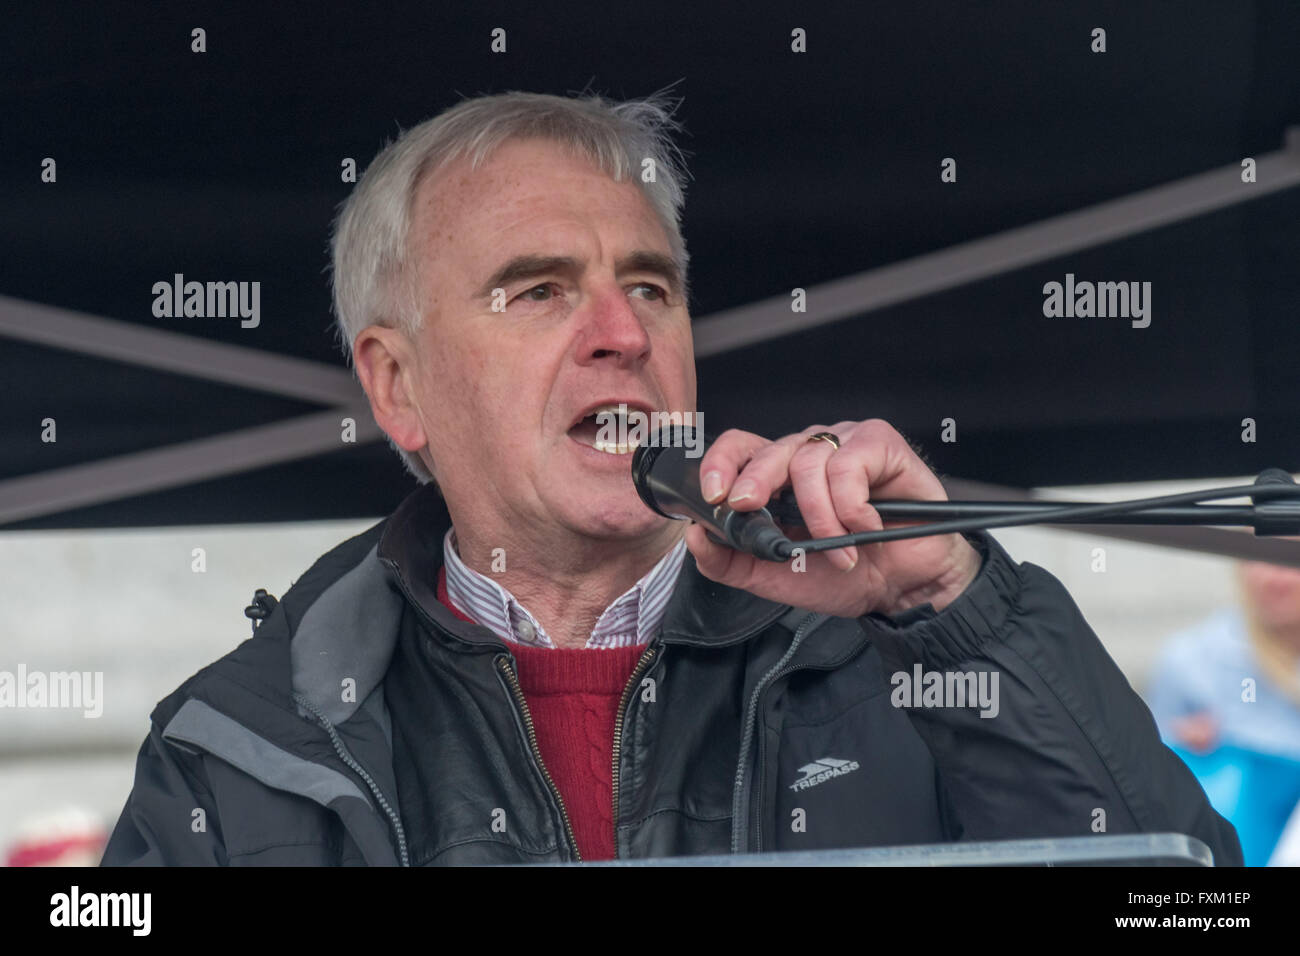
column 526, row 192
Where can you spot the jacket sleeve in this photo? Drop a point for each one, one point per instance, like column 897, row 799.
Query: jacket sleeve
column 159, row 825
column 1067, row 748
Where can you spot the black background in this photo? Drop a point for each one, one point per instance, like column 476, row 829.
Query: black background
column 806, row 168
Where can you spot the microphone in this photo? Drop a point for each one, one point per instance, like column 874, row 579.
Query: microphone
column 669, row 484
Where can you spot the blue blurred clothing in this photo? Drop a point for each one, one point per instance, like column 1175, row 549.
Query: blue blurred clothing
column 1252, row 776
column 1257, row 792
column 1202, row 669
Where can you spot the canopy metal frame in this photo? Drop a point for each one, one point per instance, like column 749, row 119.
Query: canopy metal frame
column 853, row 296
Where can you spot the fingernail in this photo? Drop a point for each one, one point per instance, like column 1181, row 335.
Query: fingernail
column 742, row 490
column 712, row 486
column 853, row 562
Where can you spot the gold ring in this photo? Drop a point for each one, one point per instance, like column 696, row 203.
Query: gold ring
column 829, row 437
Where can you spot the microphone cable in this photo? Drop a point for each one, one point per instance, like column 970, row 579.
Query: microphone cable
column 1273, row 488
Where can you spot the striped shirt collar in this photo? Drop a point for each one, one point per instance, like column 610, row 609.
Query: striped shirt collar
column 631, row 620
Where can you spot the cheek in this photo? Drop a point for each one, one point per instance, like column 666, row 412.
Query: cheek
column 677, row 368
column 449, row 395
column 1286, row 597
column 497, row 391
column 1277, row 597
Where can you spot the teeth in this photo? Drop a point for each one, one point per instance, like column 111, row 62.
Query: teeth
column 611, row 409
column 609, row 447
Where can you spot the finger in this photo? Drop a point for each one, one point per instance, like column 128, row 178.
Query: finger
column 850, row 477
column 724, row 460
column 717, row 562
column 808, row 475
column 766, row 472
column 894, row 468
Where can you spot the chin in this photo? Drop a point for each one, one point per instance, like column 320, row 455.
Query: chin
column 612, row 516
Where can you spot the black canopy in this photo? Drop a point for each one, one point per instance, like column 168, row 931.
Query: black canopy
column 818, row 170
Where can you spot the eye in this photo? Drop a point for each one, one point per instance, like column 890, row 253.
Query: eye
column 530, row 294
column 656, row 291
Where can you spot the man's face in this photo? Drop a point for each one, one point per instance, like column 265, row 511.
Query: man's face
column 591, row 318
column 1273, row 593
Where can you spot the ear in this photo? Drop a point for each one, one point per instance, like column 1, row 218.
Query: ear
column 386, row 364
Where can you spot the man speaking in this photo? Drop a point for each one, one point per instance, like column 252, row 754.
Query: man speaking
column 524, row 663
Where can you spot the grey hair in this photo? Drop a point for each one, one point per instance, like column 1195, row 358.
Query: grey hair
column 374, row 280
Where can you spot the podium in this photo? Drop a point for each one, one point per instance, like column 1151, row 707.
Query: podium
column 1140, row 849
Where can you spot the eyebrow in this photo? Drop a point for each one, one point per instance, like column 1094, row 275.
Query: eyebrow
column 653, row 262
column 526, row 267
column 532, row 266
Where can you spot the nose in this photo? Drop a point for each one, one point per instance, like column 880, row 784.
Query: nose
column 613, row 332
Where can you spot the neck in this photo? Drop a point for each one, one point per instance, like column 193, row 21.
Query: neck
column 566, row 584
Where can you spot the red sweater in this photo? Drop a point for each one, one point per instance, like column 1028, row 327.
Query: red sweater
column 573, row 696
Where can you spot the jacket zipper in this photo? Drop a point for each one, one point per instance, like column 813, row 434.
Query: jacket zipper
column 740, row 839
column 762, row 753
column 504, row 663
column 762, row 746
column 345, row 755
column 647, row 656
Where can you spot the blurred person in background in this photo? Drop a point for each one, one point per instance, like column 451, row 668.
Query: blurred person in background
column 1226, row 696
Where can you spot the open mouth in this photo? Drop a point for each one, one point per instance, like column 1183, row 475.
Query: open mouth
column 609, row 428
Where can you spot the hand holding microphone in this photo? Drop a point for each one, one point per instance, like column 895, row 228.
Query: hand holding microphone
column 725, row 492
column 832, row 495
column 669, row 483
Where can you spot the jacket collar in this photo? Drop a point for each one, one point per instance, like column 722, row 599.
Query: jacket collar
column 700, row 613
column 411, row 548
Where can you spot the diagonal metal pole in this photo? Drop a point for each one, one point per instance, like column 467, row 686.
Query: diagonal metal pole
column 124, row 476
column 991, row 255
column 176, row 352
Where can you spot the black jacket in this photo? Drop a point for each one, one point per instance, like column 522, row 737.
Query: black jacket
column 365, row 724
